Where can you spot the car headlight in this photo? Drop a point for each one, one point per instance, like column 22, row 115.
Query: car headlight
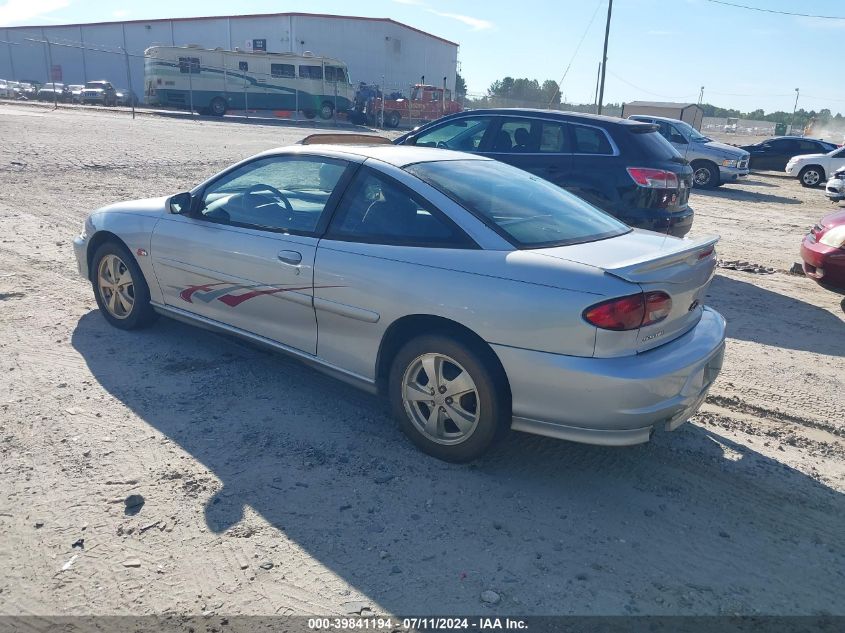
column 87, row 229
column 834, row 237
column 729, row 163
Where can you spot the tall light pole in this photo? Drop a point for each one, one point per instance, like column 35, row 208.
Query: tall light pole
column 604, row 55
column 794, row 109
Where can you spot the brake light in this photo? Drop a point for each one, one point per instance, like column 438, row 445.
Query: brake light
column 654, row 178
column 629, row 313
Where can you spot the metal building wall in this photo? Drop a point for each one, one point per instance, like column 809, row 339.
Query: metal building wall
column 375, row 51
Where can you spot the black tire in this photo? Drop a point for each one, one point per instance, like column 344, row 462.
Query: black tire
column 309, row 114
column 142, row 313
column 326, row 111
column 392, row 119
column 490, row 398
column 811, row 176
column 705, row 175
column 218, row 106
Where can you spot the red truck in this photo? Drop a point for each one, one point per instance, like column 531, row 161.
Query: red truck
column 427, row 103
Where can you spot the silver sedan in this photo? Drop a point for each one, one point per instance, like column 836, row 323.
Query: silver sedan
column 476, row 297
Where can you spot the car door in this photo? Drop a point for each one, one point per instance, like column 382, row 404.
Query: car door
column 244, row 256
column 384, row 244
column 464, row 134
column 836, row 160
column 594, row 156
column 782, row 150
column 540, row 146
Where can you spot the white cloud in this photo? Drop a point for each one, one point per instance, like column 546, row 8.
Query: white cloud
column 120, row 13
column 477, row 24
column 20, row 11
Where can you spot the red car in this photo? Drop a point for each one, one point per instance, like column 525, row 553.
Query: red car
column 823, row 251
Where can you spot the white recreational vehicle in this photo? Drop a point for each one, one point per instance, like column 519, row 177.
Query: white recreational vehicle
column 214, row 81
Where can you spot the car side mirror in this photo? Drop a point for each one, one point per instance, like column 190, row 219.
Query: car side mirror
column 411, row 139
column 180, row 204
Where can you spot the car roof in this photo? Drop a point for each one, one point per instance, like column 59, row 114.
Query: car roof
column 397, row 155
column 558, row 114
column 637, row 117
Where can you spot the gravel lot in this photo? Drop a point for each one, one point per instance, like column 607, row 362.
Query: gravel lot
column 269, row 488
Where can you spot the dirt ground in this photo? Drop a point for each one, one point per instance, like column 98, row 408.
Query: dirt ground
column 269, row 488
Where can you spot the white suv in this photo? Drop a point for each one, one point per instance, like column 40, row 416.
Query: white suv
column 812, row 169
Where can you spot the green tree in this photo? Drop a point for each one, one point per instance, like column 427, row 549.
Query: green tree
column 460, row 87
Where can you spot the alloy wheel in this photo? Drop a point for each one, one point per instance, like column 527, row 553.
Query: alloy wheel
column 441, row 398
column 115, row 285
column 702, row 176
column 811, row 177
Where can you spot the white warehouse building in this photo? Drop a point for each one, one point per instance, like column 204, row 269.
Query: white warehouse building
column 376, row 50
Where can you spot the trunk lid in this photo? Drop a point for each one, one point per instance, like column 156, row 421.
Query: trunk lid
column 682, row 268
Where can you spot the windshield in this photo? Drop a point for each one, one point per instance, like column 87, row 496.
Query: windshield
column 690, row 132
column 528, row 211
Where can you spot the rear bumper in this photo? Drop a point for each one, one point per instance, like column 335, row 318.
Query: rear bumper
column 823, row 263
column 614, row 401
column 676, row 223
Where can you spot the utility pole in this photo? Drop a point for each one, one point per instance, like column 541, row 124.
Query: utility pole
column 701, row 95
column 129, row 82
column 794, row 109
column 604, row 55
column 598, row 79
column 50, row 73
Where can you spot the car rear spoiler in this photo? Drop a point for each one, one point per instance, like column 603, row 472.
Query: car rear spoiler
column 345, row 139
column 646, row 267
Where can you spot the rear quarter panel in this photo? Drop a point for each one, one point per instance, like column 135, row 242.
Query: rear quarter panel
column 361, row 289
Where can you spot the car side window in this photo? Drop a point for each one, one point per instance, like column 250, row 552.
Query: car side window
column 277, row 193
column 810, row 146
column 464, row 134
column 676, row 137
column 377, row 209
column 590, row 140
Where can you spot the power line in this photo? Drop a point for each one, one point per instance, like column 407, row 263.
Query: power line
column 775, row 11
column 648, row 92
column 577, row 48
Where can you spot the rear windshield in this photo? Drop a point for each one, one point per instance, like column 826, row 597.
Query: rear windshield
column 526, row 210
column 655, row 146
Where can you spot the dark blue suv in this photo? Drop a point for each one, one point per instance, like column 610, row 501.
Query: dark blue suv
column 623, row 167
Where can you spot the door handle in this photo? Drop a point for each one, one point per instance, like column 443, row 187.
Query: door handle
column 292, row 258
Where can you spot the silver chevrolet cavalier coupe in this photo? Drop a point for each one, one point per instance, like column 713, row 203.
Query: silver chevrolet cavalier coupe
column 476, row 297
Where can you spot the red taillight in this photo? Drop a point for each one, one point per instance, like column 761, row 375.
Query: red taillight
column 630, row 313
column 654, row 178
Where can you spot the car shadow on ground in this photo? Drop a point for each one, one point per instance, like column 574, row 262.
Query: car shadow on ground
column 740, row 195
column 542, row 522
column 763, row 316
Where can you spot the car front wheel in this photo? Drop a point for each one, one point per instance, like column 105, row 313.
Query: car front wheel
column 811, row 176
column 705, row 175
column 447, row 399
column 120, row 289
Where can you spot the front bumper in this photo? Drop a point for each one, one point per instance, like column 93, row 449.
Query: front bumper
column 825, row 264
column 614, row 401
column 835, row 189
column 80, row 249
column 729, row 174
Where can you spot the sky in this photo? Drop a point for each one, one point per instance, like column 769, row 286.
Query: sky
column 660, row 50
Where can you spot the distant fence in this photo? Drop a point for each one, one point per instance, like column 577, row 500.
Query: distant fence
column 746, row 127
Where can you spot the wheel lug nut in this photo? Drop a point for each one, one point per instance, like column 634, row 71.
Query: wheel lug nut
column 442, row 389
column 448, row 401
